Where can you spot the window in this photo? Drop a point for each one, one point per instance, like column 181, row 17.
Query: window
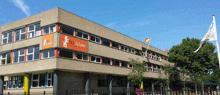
column 50, row 79
column 38, row 80
column 106, row 42
column 66, row 30
column 102, row 81
column 106, row 60
column 144, row 52
column 148, row 54
column 95, row 59
column 115, row 45
column 81, row 34
column 131, row 66
column 5, row 58
column 95, row 39
column 48, row 53
column 161, row 57
column 131, row 50
column 115, row 62
column 12, row 82
column 155, row 68
column 81, row 56
column 7, row 37
column 5, row 85
column 20, row 34
column 165, row 58
column 158, row 57
column 18, row 56
column 138, row 52
column 33, row 53
column 34, row 30
column 154, row 56
column 119, row 81
column 49, row 29
column 124, row 48
column 149, row 67
column 159, row 68
column 20, row 81
column 124, row 64
column 66, row 54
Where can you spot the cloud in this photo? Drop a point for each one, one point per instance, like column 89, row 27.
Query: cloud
column 111, row 25
column 20, row 4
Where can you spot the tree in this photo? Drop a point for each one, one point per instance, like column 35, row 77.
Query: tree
column 136, row 75
column 196, row 65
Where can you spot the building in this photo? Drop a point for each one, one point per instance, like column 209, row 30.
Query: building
column 56, row 50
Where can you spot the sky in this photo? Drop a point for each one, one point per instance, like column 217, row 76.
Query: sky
column 167, row 22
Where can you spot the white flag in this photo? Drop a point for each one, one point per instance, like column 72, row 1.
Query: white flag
column 211, row 34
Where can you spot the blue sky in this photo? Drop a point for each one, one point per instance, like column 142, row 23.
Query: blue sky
column 167, row 22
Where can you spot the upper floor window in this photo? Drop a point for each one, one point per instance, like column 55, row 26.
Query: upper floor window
column 66, row 30
column 138, row 52
column 95, row 39
column 106, row 60
column 95, row 59
column 5, row 58
column 48, row 53
column 131, row 50
column 115, row 45
column 124, row 48
column 149, row 54
column 159, row 68
column 154, row 56
column 82, row 56
column 33, row 53
column 7, row 37
column 115, row 62
column 162, row 57
column 49, row 29
column 158, row 57
column 81, row 34
column 124, row 64
column 66, row 54
column 150, row 67
column 106, row 42
column 34, row 30
column 18, row 55
column 20, row 34
column 155, row 68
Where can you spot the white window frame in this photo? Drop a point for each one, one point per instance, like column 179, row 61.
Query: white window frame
column 154, row 56
column 49, row 28
column 131, row 50
column 95, row 39
column 6, row 37
column 5, row 85
column 82, row 35
column 49, row 79
column 5, row 58
column 124, row 48
column 30, row 54
column 82, row 56
column 150, row 68
column 149, row 54
column 12, row 82
column 18, row 82
column 48, row 51
column 95, row 59
column 20, row 34
column 158, row 57
column 19, row 55
column 32, row 30
column 32, row 80
column 155, row 69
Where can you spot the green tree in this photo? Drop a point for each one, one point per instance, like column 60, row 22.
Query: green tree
column 136, row 75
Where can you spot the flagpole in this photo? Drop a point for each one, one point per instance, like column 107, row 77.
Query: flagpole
column 147, row 47
column 218, row 52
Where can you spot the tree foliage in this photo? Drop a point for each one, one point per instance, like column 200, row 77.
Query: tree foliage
column 194, row 65
column 136, row 75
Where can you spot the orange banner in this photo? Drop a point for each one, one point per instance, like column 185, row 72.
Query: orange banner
column 73, row 43
column 47, row 41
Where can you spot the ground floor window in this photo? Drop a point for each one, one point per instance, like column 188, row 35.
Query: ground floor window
column 12, row 82
column 20, row 81
column 38, row 80
column 5, row 85
column 102, row 81
column 119, row 81
column 50, row 79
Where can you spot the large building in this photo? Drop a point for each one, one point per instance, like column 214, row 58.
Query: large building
column 57, row 51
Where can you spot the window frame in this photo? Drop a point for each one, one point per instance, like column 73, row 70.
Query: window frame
column 20, row 33
column 38, row 80
column 34, row 31
column 95, row 59
column 7, row 32
column 95, row 39
column 48, row 52
column 50, row 79
column 19, row 50
column 6, row 58
column 10, row 83
column 82, row 34
column 49, row 26
column 82, row 56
